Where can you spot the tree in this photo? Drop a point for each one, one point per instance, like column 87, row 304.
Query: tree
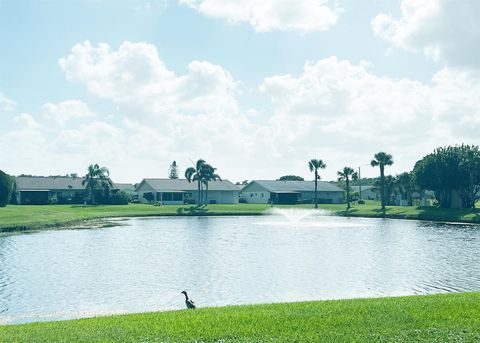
column 173, row 173
column 291, row 178
column 382, row 159
column 449, row 171
column 404, row 183
column 97, row 178
column 314, row 165
column 6, row 188
column 195, row 174
column 390, row 187
column 149, row 197
column 208, row 174
column 347, row 175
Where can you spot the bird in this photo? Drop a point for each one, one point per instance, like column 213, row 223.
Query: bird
column 189, row 302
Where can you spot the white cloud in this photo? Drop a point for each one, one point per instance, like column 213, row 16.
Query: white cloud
column 65, row 111
column 335, row 110
column 7, row 104
column 135, row 75
column 444, row 30
column 337, row 106
column 270, row 15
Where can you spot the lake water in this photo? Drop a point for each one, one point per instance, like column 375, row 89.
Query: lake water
column 143, row 264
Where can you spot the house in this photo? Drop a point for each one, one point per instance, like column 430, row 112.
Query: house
column 291, row 192
column 39, row 190
column 179, row 191
column 128, row 188
column 368, row 192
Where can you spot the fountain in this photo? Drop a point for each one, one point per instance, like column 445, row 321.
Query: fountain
column 297, row 215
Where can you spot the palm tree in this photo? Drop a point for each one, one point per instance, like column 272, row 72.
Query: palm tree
column 96, row 177
column 404, row 183
column 382, row 159
column 347, row 175
column 208, row 174
column 314, row 165
column 195, row 174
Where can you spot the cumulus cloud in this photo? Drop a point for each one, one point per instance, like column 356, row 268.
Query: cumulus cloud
column 444, row 30
column 270, row 15
column 65, row 111
column 7, row 104
column 134, row 74
column 335, row 109
column 335, row 105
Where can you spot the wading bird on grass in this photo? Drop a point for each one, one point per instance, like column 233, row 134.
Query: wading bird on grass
column 189, row 302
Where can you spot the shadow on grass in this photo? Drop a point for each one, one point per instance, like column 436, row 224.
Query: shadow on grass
column 449, row 214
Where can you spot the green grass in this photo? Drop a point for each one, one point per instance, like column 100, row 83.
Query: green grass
column 25, row 217
column 31, row 217
column 372, row 209
column 436, row 318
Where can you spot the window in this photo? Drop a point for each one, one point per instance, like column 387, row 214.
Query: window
column 171, row 196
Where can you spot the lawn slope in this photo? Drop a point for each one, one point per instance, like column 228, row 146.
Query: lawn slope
column 436, row 318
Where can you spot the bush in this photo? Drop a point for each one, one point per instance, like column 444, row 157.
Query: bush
column 119, row 198
column 13, row 196
column 149, row 197
column 6, row 187
column 242, row 200
column 361, row 202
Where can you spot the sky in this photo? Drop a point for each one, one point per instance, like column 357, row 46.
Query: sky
column 256, row 88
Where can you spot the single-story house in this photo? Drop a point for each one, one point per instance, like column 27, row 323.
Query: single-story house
column 368, row 192
column 39, row 190
column 291, row 192
column 42, row 190
column 179, row 191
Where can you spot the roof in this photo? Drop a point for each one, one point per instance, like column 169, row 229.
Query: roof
column 36, row 183
column 296, row 186
column 364, row 188
column 175, row 185
column 124, row 186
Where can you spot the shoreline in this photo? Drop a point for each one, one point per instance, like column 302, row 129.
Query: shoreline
column 24, row 218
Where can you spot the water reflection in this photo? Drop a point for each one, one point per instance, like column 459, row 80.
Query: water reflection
column 236, row 260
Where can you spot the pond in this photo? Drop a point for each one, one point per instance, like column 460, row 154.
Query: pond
column 143, row 264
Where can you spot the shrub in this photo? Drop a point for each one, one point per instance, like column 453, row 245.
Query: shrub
column 6, row 187
column 361, row 202
column 242, row 200
column 119, row 198
column 149, row 196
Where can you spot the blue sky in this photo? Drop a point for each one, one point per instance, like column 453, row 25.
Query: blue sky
column 396, row 64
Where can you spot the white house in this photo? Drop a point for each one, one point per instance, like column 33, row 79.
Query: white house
column 179, row 191
column 291, row 192
column 368, row 192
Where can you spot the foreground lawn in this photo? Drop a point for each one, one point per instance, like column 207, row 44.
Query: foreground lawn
column 437, row 318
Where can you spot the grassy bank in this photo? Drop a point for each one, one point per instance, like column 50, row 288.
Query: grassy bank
column 436, row 318
column 372, row 210
column 15, row 217
column 30, row 217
